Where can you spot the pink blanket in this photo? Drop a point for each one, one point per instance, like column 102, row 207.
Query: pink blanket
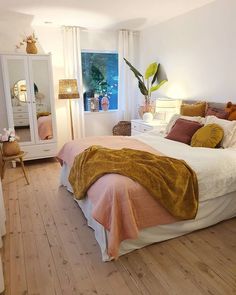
column 45, row 127
column 120, row 204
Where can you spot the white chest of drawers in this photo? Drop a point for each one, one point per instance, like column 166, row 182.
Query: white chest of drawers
column 139, row 126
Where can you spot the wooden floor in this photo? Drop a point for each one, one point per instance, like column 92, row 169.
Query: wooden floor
column 50, row 250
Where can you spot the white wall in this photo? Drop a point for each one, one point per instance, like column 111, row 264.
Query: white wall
column 198, row 52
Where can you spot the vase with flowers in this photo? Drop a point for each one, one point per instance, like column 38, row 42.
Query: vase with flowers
column 30, row 42
column 147, row 84
column 10, row 146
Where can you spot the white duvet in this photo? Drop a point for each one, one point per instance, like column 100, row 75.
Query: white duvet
column 215, row 168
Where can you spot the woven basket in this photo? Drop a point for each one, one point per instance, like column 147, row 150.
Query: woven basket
column 122, row 128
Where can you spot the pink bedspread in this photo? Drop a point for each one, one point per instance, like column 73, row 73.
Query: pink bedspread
column 45, row 127
column 120, row 204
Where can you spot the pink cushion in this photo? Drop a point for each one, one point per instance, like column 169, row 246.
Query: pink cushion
column 219, row 113
column 183, row 130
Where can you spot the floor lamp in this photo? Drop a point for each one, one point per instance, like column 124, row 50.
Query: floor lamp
column 68, row 89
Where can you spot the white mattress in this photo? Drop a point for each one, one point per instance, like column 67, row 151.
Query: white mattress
column 211, row 211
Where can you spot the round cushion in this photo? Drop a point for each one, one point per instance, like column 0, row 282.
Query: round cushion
column 207, row 136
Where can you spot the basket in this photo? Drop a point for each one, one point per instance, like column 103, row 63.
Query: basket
column 122, row 128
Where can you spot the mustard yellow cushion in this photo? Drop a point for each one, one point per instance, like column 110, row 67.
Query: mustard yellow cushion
column 207, row 136
column 196, row 109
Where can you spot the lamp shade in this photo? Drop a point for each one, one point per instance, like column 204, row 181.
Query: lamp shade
column 68, row 89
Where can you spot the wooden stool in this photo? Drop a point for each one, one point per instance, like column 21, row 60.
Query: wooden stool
column 13, row 158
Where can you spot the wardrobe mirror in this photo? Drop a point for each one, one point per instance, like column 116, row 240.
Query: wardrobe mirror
column 41, row 78
column 18, row 90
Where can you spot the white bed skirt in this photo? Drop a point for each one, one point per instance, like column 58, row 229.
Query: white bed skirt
column 210, row 212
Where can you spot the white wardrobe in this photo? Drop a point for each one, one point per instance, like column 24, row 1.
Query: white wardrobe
column 27, row 104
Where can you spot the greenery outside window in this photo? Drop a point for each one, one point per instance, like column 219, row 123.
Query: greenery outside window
column 100, row 78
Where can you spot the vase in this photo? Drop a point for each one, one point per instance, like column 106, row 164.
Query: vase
column 31, row 48
column 10, row 148
column 148, row 108
column 94, row 104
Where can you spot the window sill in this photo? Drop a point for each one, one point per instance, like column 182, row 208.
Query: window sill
column 100, row 112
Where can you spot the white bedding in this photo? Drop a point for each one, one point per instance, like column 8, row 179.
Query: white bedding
column 215, row 168
column 216, row 172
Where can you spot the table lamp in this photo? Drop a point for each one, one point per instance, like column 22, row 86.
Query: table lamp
column 68, row 89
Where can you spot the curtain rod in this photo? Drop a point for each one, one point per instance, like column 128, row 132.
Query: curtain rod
column 111, row 30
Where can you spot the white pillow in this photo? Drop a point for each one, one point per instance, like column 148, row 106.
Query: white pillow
column 229, row 127
column 175, row 117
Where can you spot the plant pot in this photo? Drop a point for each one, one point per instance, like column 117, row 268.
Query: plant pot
column 10, row 148
column 31, row 48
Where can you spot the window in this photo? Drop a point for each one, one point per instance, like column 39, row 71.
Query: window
column 100, row 79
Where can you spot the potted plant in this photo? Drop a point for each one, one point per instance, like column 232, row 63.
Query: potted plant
column 147, row 84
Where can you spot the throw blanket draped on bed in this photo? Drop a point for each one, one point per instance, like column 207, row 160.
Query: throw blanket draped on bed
column 170, row 181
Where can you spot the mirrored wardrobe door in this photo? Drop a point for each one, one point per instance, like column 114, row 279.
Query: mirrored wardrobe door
column 43, row 110
column 18, row 98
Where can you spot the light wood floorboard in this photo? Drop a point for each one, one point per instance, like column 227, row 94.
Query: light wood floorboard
column 49, row 249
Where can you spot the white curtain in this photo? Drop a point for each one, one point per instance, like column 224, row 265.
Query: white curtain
column 127, row 83
column 73, row 70
column 2, row 232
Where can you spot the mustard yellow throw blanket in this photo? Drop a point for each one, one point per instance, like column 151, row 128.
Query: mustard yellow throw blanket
column 170, row 181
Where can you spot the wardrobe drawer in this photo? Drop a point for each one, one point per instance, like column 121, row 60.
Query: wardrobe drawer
column 40, row 151
column 20, row 109
column 21, row 122
column 20, row 115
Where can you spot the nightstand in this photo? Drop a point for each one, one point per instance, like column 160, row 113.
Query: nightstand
column 139, row 126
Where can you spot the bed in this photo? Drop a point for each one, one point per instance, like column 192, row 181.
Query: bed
column 45, row 127
column 215, row 170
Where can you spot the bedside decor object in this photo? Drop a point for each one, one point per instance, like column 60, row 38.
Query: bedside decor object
column 147, row 84
column 68, row 89
column 147, row 117
column 30, row 44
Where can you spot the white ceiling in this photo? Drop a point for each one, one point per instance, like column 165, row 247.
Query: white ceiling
column 102, row 14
